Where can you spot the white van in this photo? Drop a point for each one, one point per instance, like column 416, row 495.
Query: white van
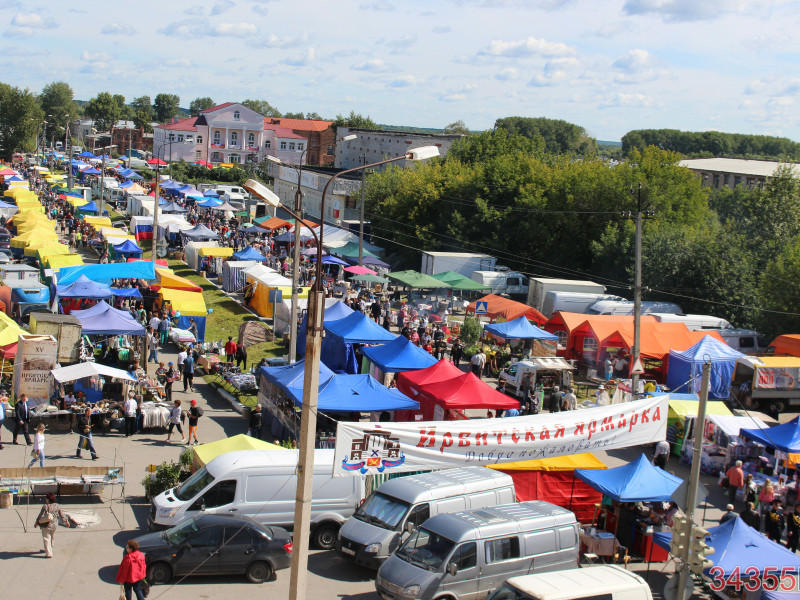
column 573, row 302
column 262, row 484
column 625, row 307
column 745, row 341
column 693, row 322
column 545, row 371
column 378, row 527
column 609, row 582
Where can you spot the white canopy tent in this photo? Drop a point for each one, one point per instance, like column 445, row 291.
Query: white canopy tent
column 90, row 369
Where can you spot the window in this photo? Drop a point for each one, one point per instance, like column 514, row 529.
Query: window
column 267, row 144
column 314, row 143
column 206, row 538
column 300, row 146
column 589, row 344
column 563, row 336
column 234, row 137
column 747, row 342
column 171, row 137
column 236, row 115
column 189, row 138
column 419, row 514
column 508, row 592
column 465, row 556
column 238, row 536
column 291, row 145
column 221, row 494
column 251, row 138
column 216, row 137
column 199, row 139
column 180, row 138
column 198, row 154
column 283, row 145
column 235, row 158
column 331, row 150
column 216, row 157
column 502, row 549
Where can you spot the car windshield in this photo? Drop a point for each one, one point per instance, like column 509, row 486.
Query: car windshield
column 194, row 485
column 426, row 549
column 383, row 511
column 180, row 533
column 508, row 592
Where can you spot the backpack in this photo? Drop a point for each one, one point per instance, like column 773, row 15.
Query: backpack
column 199, row 411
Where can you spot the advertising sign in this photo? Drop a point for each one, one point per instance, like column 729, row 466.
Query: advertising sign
column 363, row 448
column 777, row 378
column 36, row 356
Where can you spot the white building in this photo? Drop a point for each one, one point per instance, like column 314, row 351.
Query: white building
column 377, row 145
column 731, row 172
column 284, row 144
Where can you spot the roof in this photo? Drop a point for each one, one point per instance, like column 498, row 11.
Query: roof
column 786, row 344
column 217, row 107
column 190, row 304
column 283, row 132
column 571, row 583
column 508, row 309
column 779, row 362
column 182, row 125
column 264, row 459
column 467, row 391
column 689, row 408
column 519, row 329
column 205, row 453
column 299, row 124
column 740, row 166
column 442, row 484
column 637, row 481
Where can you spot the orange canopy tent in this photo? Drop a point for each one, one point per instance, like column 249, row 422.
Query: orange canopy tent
column 175, row 282
column 578, row 327
column 274, row 223
column 785, row 345
column 508, row 310
column 657, row 339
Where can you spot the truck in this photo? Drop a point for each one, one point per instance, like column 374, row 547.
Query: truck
column 509, row 283
column 234, row 199
column 463, row 263
column 766, row 382
column 539, row 286
column 625, row 307
column 108, row 183
column 573, row 302
column 745, row 341
column 545, row 371
column 65, row 328
column 693, row 322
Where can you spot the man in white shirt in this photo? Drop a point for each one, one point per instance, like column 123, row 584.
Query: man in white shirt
column 661, row 454
column 181, row 358
column 477, row 362
column 154, row 322
column 569, row 401
column 69, row 400
column 130, row 415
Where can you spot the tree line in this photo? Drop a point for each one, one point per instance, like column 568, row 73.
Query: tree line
column 711, row 143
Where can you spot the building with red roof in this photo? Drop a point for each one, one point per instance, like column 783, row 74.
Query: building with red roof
column 321, row 137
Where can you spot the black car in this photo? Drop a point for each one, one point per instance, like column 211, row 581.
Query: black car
column 214, row 545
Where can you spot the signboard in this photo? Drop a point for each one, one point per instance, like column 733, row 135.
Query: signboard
column 36, row 356
column 481, row 307
column 363, row 448
column 638, row 368
column 310, row 180
column 777, row 378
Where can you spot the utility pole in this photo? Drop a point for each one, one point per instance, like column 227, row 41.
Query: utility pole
column 694, row 477
column 68, row 146
column 298, row 210
column 363, row 161
column 102, row 181
column 637, row 291
column 157, row 193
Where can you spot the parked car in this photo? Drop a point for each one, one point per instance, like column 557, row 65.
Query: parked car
column 5, row 238
column 609, row 582
column 216, row 545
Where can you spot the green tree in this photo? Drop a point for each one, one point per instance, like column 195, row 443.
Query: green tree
column 142, row 114
column 355, row 121
column 125, row 111
column 56, row 99
column 291, row 115
column 559, row 136
column 780, row 292
column 20, row 119
column 262, row 107
column 199, row 104
column 104, row 110
column 165, row 107
column 314, row 116
column 457, row 128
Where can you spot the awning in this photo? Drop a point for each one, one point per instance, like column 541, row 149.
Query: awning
column 398, row 355
column 221, row 252
column 519, row 329
column 190, row 304
column 637, row 481
column 89, row 369
column 414, row 279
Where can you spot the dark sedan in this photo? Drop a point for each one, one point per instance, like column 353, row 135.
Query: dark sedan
column 216, row 545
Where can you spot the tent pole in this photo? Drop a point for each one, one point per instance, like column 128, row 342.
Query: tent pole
column 572, row 491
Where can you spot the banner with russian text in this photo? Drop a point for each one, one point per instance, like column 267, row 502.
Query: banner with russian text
column 363, row 448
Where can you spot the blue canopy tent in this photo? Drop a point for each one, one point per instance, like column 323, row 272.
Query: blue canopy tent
column 332, row 260
column 89, row 207
column 124, row 172
column 211, row 194
column 354, row 393
column 685, row 369
column 519, row 329
column 287, row 376
column 135, row 175
column 108, row 272
column 337, row 310
column 785, row 438
column 337, row 347
column 210, row 203
column 126, row 292
column 84, row 287
column 253, row 229
column 128, row 249
column 86, row 154
column 249, row 253
column 126, row 184
column 172, row 207
column 107, row 321
column 90, row 171
column 398, row 355
column 199, row 232
column 638, row 481
column 169, row 185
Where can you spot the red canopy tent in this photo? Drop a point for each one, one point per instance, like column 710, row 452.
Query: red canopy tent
column 157, row 161
column 412, row 382
column 459, row 393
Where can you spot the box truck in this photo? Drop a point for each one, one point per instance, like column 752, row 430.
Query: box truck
column 539, row 286
column 573, row 302
column 509, row 283
column 463, row 263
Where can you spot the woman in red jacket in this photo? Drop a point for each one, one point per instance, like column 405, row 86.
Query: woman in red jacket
column 132, row 570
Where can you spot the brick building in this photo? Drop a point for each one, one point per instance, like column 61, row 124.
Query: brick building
column 321, row 138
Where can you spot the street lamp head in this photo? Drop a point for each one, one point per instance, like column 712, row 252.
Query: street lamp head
column 422, row 153
column 274, row 159
column 261, row 191
column 348, row 138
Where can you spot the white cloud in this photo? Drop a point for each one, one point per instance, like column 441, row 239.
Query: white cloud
column 184, row 63
column 273, row 41
column 774, row 86
column 238, row 30
column 33, row 20
column 676, row 11
column 202, row 27
column 459, row 94
column 117, row 28
column 301, row 60
column 507, row 74
column 95, row 56
column 260, row 10
column 638, row 66
column 374, row 65
column 628, row 100
column 528, row 47
column 403, row 81
column 376, row 6
column 194, row 11
column 221, row 6
column 453, row 97
column 442, row 29
column 18, row 32
column 402, row 44
column 611, row 30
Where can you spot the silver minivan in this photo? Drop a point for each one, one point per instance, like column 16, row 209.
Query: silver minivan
column 468, row 554
column 399, row 505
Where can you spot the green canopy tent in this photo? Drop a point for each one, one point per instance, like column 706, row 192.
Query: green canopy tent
column 369, row 278
column 416, row 280
column 458, row 282
column 350, row 250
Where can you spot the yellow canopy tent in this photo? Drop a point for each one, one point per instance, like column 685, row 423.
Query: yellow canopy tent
column 558, row 463
column 63, row 260
column 205, row 453
column 189, row 304
column 47, row 251
column 170, row 280
column 76, row 202
column 23, row 208
column 221, row 252
column 9, row 330
column 32, row 248
column 682, row 415
column 15, row 191
column 28, row 217
column 26, row 226
column 40, row 233
column 98, row 222
column 260, row 299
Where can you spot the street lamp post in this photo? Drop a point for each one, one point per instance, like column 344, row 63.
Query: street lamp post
column 156, row 194
column 363, row 161
column 308, row 416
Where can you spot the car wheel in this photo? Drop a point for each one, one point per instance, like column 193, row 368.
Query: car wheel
column 325, row 536
column 259, row 572
column 159, row 573
column 778, row 406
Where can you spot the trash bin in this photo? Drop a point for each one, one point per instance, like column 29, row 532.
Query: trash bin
column 6, row 499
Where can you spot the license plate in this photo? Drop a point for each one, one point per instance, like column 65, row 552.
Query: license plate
column 348, row 551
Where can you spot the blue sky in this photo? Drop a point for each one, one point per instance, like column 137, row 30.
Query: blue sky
column 608, row 65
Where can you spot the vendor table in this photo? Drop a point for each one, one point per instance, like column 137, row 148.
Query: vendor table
column 644, row 545
column 208, row 362
column 600, row 543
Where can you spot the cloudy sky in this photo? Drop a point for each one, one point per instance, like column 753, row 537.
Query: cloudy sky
column 608, row 65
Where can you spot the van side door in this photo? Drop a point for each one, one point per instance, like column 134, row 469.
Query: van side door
column 218, row 499
column 464, row 584
column 542, row 548
column 503, row 557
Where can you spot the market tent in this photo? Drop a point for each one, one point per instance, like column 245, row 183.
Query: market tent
column 368, row 260
column 357, row 328
column 460, row 393
column 732, row 425
column 638, row 481
column 126, row 292
column 356, row 269
column 98, row 222
column 416, row 280
column 107, row 321
column 519, row 329
column 331, row 260
column 199, row 232
column 172, row 207
column 398, row 355
column 354, row 393
column 553, row 480
column 579, row 326
column 88, row 207
column 657, row 339
column 458, row 282
column 165, row 279
column 190, row 305
column 683, row 406
column 411, row 382
column 218, row 251
column 249, row 253
column 106, row 273
column 43, row 253
column 9, row 335
column 128, row 247
column 369, row 279
column 62, row 261
column 225, row 206
column 287, row 376
column 333, row 312
column 33, row 248
column 350, row 250
column 271, row 223
column 305, row 235
column 785, row 438
column 508, row 310
column 89, row 369
column 233, row 274
column 205, row 453
column 785, row 345
column 685, row 369
column 84, row 287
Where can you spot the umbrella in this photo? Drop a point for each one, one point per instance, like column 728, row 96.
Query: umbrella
column 358, row 270
column 369, row 279
column 157, row 161
column 312, row 252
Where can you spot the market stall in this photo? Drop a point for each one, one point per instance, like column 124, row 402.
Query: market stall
column 205, row 453
column 682, row 416
column 338, row 350
column 722, row 444
column 684, row 370
column 396, row 356
column 467, row 391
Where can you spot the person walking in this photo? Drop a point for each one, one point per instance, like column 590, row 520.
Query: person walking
column 175, row 421
column 241, row 356
column 661, row 454
column 188, row 372
column 23, row 420
column 751, row 517
column 555, row 400
column 793, row 528
column 457, row 352
column 477, row 362
column 132, row 570
column 765, row 497
column 130, row 415
column 195, row 412
column 569, row 401
column 83, row 426
column 38, row 447
column 728, row 514
column 3, row 406
column 181, row 357
column 47, row 522
column 152, row 341
column 170, row 377
column 735, row 477
column 256, row 422
column 163, row 330
column 230, row 350
column 773, row 522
